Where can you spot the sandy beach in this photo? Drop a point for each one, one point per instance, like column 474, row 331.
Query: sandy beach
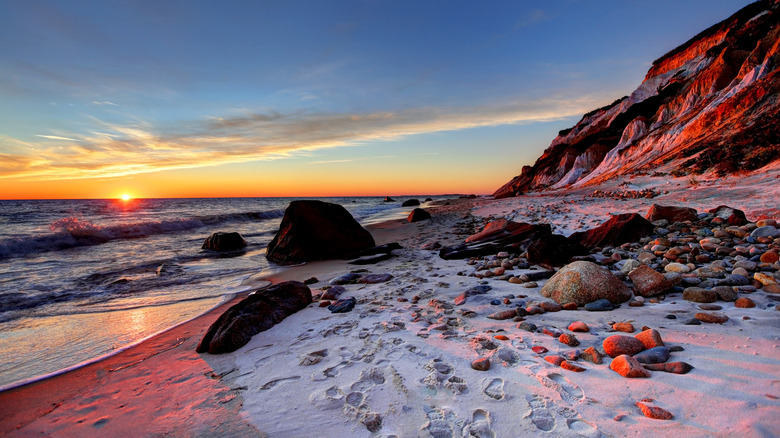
column 399, row 364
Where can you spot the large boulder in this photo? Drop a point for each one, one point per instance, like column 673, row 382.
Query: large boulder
column 418, row 214
column 585, row 282
column 410, row 203
column 500, row 235
column 224, row 242
column 254, row 314
column 671, row 213
column 316, row 230
column 554, row 250
column 619, row 229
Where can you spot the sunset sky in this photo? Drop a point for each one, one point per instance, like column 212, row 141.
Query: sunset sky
column 313, row 98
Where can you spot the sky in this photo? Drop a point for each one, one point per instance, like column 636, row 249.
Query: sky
column 310, row 98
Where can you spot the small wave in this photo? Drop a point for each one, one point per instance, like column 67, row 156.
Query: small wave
column 72, row 232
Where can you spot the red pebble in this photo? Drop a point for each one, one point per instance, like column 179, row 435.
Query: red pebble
column 539, row 349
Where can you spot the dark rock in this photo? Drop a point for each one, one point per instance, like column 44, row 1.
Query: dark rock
column 584, row 282
column 379, row 249
column 734, row 280
column 527, row 326
column 410, row 203
column 389, row 199
column 554, row 250
column 671, row 214
column 316, row 230
column 371, row 260
column 418, row 214
column 224, row 242
column 500, row 235
column 599, row 305
column 653, row 355
column 537, row 275
column 343, row 306
column 670, row 367
column 724, row 293
column 256, row 313
column 731, row 215
column 699, row 295
column 311, row 280
column 333, row 293
column 620, row 229
column 375, row 278
column 350, row 278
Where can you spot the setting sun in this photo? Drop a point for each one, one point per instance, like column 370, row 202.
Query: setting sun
column 126, row 197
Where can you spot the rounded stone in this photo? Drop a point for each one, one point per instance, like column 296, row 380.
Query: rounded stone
column 650, row 338
column 583, row 282
column 617, row 345
column 653, row 355
column 744, row 303
column 627, row 366
column 711, row 318
column 699, row 295
column 481, row 364
column 625, row 327
column 579, row 326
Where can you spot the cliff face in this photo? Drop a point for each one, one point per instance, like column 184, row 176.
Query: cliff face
column 711, row 104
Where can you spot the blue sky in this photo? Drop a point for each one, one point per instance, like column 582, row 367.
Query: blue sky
column 116, row 90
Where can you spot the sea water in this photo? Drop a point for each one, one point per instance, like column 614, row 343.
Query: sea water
column 80, row 279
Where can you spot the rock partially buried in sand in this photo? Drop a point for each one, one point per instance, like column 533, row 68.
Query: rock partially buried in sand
column 654, row 412
column 418, row 214
column 670, row 367
column 653, row 355
column 410, row 203
column 650, row 338
column 224, row 242
column 481, row 364
column 375, row 278
column 584, row 282
column 628, row 367
column 350, row 278
column 592, row 355
column 254, row 314
column 711, row 318
column 316, row 230
column 554, row 250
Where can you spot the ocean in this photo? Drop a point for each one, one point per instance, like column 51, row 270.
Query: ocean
column 82, row 279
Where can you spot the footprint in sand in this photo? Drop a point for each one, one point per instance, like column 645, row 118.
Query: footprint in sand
column 568, row 390
column 540, row 414
column 480, row 425
column 494, row 388
column 331, row 398
column 330, row 372
column 340, row 329
column 275, row 382
column 584, row 428
column 368, row 379
column 442, row 423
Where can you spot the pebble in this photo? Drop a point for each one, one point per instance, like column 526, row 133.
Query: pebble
column 550, row 306
column 653, row 355
column 592, row 355
column 343, row 306
column 599, row 305
column 744, row 303
column 481, row 364
column 764, row 279
column 551, row 331
column 725, row 293
column 670, row 367
column 515, row 280
column 627, row 366
column 765, row 231
column 710, row 307
column 770, row 257
column 650, row 338
column 771, row 288
column 699, row 295
column 346, row 279
column 569, row 306
column 538, row 349
column 677, row 267
column 569, row 340
column 504, row 314
column 527, row 326
column 654, row 412
column 495, row 303
column 501, row 337
column 579, row 326
column 711, row 318
column 617, row 345
column 625, row 327
column 566, row 365
column 554, row 359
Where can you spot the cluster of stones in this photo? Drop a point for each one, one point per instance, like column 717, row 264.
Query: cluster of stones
column 706, row 257
column 330, row 295
column 625, row 194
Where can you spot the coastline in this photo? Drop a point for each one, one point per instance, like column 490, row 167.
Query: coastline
column 381, row 364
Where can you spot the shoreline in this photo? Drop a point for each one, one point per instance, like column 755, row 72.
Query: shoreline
column 374, row 364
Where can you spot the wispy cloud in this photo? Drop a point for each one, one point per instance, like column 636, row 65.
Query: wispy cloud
column 105, row 102
column 112, row 150
column 56, row 137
